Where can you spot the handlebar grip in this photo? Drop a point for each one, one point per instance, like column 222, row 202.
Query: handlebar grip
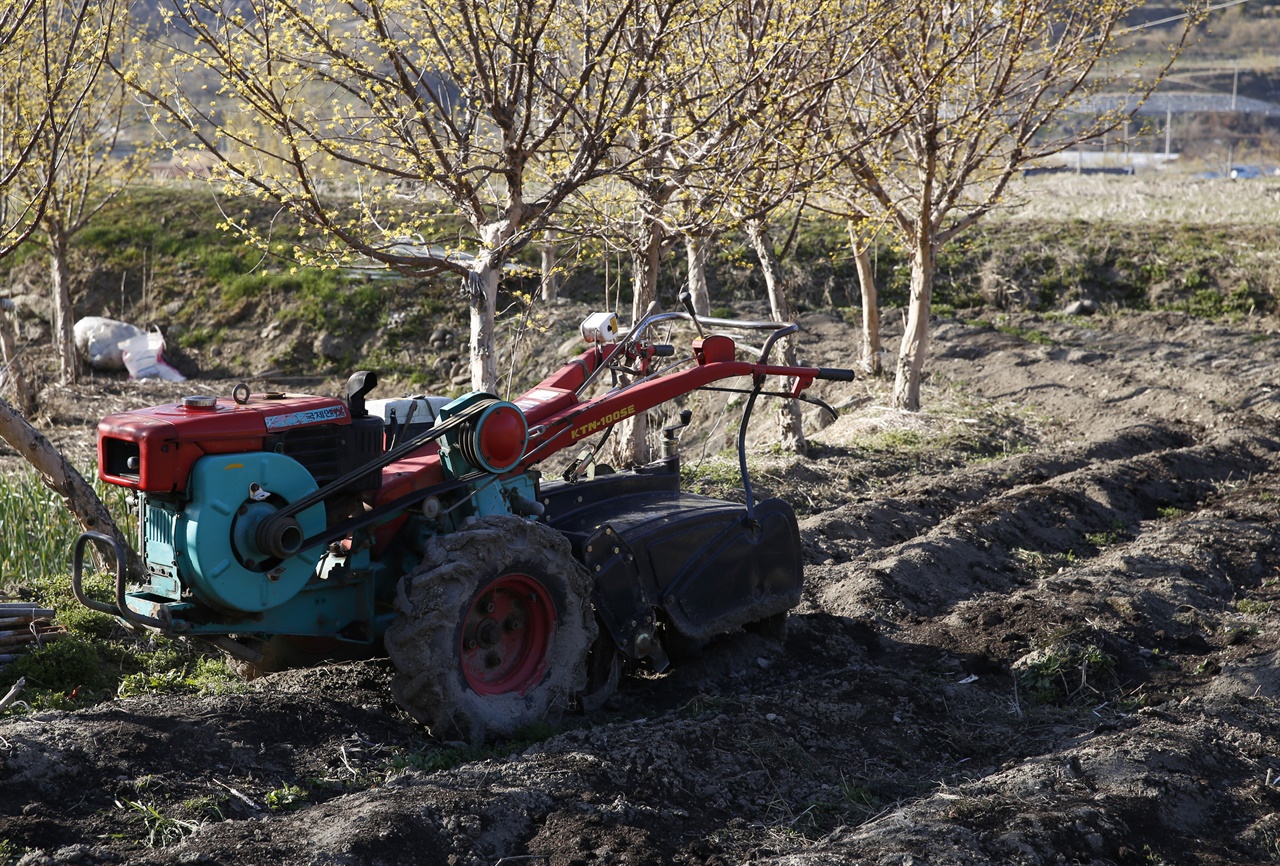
column 663, row 350
column 836, row 374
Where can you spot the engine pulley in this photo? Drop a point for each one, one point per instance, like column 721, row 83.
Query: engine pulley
column 493, row 438
column 225, row 557
column 496, row 439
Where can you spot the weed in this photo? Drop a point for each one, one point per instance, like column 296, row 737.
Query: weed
column 1031, row 335
column 207, row 807
column 717, row 476
column 852, row 805
column 1170, row 512
column 60, row 666
column 200, row 337
column 1252, row 606
column 286, row 798
column 1237, row 634
column 972, row 809
column 894, row 440
column 702, row 704
column 1064, row 669
column 1191, row 618
column 775, row 750
column 34, row 553
column 1042, row 564
column 1121, row 605
column 1104, row 539
column 162, row 830
column 432, row 759
column 10, row 853
column 97, row 657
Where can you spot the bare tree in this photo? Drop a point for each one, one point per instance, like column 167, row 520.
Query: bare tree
column 981, row 89
column 76, row 168
column 379, row 123
column 727, row 127
column 859, row 242
column 50, row 57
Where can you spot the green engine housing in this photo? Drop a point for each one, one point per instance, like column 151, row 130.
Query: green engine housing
column 207, row 545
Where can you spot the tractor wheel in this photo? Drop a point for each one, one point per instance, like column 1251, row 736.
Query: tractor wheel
column 492, row 630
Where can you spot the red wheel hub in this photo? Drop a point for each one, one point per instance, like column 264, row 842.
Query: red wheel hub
column 506, row 636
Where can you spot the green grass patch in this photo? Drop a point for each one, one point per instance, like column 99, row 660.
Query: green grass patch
column 1253, row 607
column 10, row 852
column 97, row 658
column 1031, row 335
column 199, row 675
column 36, row 529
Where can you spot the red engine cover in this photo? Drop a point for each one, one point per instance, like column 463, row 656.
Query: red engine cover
column 153, row 449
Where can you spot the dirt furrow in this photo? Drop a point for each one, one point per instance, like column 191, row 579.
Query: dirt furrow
column 913, row 508
column 1180, row 787
column 984, row 548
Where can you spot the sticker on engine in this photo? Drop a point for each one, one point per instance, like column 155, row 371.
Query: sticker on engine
column 311, row 416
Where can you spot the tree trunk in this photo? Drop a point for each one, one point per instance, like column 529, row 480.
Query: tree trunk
column 13, row 367
column 482, row 298
column 63, row 336
column 870, row 302
column 631, row 437
column 696, row 248
column 915, row 341
column 790, row 422
column 646, row 258
column 550, row 277
column 61, row 477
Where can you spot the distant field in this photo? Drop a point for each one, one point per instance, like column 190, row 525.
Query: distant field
column 1145, row 198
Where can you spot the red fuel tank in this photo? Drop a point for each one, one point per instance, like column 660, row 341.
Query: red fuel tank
column 153, row 449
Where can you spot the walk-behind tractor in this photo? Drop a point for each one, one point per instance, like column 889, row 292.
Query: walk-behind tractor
column 288, row 528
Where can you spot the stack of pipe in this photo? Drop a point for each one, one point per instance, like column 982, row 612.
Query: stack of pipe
column 24, row 626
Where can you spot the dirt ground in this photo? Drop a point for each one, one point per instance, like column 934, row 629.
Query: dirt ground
column 1059, row 648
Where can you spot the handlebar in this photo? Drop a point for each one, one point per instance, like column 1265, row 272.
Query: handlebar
column 836, row 374
column 779, row 329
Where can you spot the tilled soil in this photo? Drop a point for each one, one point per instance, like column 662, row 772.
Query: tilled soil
column 1060, row 651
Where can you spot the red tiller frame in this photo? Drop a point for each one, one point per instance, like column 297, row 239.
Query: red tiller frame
column 557, row 419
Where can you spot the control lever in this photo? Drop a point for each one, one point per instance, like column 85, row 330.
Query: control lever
column 670, row 439
column 686, row 299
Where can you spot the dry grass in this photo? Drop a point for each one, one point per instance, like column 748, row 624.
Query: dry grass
column 1144, row 198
